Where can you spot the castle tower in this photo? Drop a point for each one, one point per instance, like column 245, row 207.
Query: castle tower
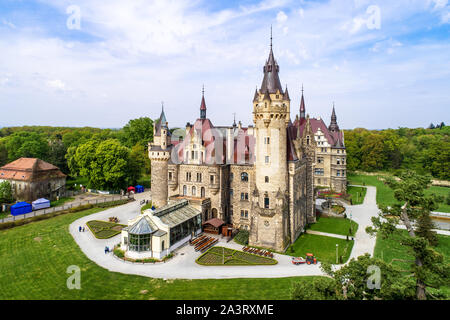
column 159, row 154
column 203, row 105
column 302, row 107
column 308, row 145
column 271, row 108
column 333, row 124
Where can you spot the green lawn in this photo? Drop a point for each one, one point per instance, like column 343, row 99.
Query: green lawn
column 385, row 195
column 61, row 201
column 334, row 225
column 388, row 249
column 357, row 194
column 34, row 259
column 323, row 248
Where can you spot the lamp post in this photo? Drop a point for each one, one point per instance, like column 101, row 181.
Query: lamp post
column 337, row 253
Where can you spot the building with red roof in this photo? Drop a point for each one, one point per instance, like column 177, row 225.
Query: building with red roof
column 33, row 178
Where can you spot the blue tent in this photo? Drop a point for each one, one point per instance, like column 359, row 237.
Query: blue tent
column 41, row 203
column 20, row 208
column 139, row 189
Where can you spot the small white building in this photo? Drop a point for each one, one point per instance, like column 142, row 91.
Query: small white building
column 156, row 233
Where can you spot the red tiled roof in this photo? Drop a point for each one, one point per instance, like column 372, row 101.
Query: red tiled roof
column 29, row 169
column 215, row 222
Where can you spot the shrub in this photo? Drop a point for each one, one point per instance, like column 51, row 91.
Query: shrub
column 81, row 208
column 242, row 237
column 119, row 253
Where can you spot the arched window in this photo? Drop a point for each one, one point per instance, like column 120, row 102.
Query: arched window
column 184, row 190
column 214, row 213
column 194, row 191
column 266, row 201
column 202, row 192
column 244, row 176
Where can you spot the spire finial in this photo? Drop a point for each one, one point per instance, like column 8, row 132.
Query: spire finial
column 302, row 88
column 234, row 119
column 162, row 105
column 203, row 89
column 270, row 36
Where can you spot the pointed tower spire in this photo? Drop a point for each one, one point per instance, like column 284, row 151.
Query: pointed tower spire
column 271, row 80
column 333, row 124
column 286, row 94
column 161, row 122
column 302, row 106
column 203, row 105
column 256, row 96
column 270, row 37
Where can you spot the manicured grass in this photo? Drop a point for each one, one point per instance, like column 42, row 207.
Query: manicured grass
column 385, row 195
column 104, row 229
column 334, row 225
column 61, row 201
column 218, row 256
column 357, row 194
column 34, row 259
column 323, row 248
column 389, row 249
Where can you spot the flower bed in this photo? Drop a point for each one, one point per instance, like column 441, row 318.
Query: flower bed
column 219, row 256
column 103, row 229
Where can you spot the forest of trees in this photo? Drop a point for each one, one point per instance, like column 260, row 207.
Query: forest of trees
column 422, row 150
column 108, row 159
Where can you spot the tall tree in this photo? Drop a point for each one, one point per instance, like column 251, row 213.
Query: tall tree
column 428, row 268
column 27, row 144
column 6, row 194
column 367, row 278
column 138, row 131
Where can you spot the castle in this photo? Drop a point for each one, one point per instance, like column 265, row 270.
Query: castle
column 260, row 178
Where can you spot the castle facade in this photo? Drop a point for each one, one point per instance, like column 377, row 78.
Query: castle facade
column 260, row 178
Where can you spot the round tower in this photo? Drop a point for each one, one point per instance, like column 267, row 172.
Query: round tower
column 159, row 154
column 271, row 107
column 270, row 211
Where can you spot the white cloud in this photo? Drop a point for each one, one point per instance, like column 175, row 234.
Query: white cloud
column 445, row 18
column 9, row 24
column 281, row 17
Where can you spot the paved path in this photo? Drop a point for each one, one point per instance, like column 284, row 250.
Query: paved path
column 183, row 265
column 363, row 214
column 332, row 235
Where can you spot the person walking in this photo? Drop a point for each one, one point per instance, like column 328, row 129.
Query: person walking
column 79, row 229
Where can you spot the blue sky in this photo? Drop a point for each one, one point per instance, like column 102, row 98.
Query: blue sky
column 128, row 56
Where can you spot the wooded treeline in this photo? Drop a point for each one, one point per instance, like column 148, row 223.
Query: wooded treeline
column 109, row 159
column 114, row 158
column 426, row 151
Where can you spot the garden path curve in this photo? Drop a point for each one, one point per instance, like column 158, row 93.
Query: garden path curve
column 183, row 265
